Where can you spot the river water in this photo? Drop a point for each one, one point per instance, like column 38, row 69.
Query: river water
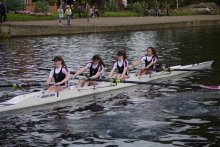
column 141, row 116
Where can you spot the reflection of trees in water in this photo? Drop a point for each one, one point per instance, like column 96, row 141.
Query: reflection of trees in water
column 187, row 45
column 16, row 54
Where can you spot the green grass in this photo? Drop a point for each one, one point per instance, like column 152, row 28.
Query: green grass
column 23, row 17
column 54, row 16
column 119, row 14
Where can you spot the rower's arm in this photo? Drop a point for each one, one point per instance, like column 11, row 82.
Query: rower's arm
column 80, row 71
column 136, row 63
column 149, row 65
column 49, row 79
column 124, row 72
column 112, row 71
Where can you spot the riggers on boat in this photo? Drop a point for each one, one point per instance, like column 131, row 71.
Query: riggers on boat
column 39, row 98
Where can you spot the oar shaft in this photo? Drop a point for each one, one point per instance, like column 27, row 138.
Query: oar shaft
column 201, row 70
column 186, row 69
column 20, row 85
column 71, row 72
column 160, row 84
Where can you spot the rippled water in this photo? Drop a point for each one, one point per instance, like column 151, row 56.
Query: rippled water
column 138, row 116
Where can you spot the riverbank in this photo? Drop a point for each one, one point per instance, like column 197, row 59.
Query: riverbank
column 102, row 24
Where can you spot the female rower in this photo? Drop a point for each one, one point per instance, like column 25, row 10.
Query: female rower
column 121, row 65
column 96, row 69
column 61, row 75
column 150, row 60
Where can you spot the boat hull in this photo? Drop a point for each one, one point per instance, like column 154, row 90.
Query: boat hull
column 39, row 98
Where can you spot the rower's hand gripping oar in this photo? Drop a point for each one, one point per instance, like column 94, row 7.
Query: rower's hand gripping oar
column 211, row 87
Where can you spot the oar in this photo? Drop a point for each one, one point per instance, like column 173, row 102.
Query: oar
column 15, row 85
column 23, row 85
column 176, row 69
column 48, row 69
column 211, row 87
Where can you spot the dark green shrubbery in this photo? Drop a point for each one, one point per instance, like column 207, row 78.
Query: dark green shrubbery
column 15, row 5
column 42, row 6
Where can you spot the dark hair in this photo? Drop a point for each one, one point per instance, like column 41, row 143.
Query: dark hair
column 59, row 58
column 122, row 53
column 153, row 51
column 97, row 57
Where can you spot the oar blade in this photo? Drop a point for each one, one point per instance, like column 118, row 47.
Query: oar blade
column 210, row 87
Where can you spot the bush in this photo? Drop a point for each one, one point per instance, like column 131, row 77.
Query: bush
column 42, row 6
column 138, row 8
column 111, row 5
column 119, row 14
column 15, row 5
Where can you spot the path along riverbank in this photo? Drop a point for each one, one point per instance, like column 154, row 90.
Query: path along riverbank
column 102, row 24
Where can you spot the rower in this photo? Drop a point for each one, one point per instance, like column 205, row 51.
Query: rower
column 96, row 69
column 60, row 74
column 121, row 65
column 150, row 60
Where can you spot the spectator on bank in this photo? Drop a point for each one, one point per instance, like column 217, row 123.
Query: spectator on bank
column 60, row 13
column 2, row 12
column 157, row 11
column 68, row 13
column 145, row 11
column 91, row 12
column 96, row 12
column 87, row 11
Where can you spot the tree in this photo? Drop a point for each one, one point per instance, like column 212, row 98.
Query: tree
column 41, row 6
column 138, row 8
column 15, row 5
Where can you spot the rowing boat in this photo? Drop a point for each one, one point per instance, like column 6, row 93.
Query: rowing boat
column 40, row 98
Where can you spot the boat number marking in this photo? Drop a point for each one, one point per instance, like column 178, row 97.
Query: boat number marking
column 48, row 95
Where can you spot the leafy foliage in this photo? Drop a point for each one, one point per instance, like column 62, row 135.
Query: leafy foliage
column 15, row 5
column 138, row 7
column 111, row 5
column 41, row 6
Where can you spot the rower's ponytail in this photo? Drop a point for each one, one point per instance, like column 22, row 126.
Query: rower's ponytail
column 101, row 62
column 97, row 57
column 63, row 62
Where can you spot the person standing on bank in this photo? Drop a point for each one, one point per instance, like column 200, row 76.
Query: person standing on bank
column 61, row 75
column 150, row 59
column 87, row 11
column 68, row 13
column 60, row 13
column 121, row 65
column 2, row 12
